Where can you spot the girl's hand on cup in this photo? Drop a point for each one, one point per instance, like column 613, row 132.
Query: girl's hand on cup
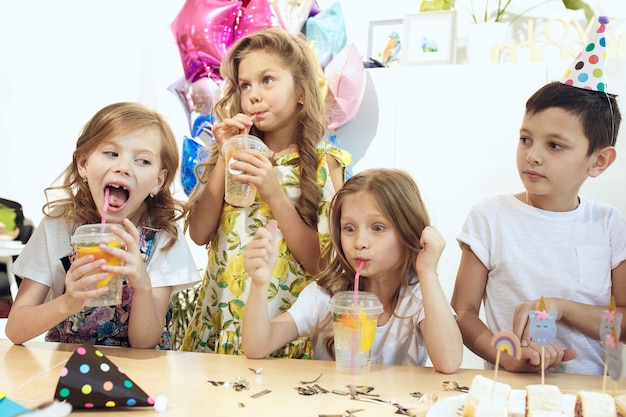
column 133, row 266
column 84, row 273
column 227, row 128
column 258, row 170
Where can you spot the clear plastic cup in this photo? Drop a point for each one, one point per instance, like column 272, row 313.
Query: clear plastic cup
column 238, row 193
column 86, row 241
column 354, row 328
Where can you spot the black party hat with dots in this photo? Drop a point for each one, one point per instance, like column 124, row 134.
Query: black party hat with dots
column 91, row 381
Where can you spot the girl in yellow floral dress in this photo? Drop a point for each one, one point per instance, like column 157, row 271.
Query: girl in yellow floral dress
column 272, row 91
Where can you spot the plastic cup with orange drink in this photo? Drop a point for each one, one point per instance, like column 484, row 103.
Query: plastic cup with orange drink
column 239, row 193
column 354, row 328
column 86, row 241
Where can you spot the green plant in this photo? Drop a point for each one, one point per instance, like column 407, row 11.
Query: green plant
column 496, row 14
column 183, row 304
column 436, row 5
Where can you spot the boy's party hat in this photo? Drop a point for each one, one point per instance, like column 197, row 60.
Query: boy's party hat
column 589, row 67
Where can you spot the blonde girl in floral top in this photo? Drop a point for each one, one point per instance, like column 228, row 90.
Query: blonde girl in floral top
column 271, row 91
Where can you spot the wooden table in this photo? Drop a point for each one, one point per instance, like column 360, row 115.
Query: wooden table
column 30, row 373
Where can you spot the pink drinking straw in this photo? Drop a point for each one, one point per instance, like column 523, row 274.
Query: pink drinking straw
column 355, row 314
column 105, row 208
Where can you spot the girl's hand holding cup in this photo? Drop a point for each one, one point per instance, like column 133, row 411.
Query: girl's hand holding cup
column 227, row 128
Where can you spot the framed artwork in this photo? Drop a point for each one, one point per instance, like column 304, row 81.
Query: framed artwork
column 385, row 41
column 429, row 38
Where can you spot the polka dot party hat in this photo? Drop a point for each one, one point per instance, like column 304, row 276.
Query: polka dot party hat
column 589, row 67
column 90, row 380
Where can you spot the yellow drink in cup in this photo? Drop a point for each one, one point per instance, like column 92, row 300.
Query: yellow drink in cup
column 84, row 249
column 354, row 329
column 86, row 241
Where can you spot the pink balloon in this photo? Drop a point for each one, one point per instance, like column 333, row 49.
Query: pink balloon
column 204, row 32
column 345, row 76
column 293, row 13
column 258, row 15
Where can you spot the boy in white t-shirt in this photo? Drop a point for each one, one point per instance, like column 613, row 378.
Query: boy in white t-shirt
column 549, row 241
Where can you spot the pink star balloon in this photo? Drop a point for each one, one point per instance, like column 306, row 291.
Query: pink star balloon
column 258, row 15
column 204, row 30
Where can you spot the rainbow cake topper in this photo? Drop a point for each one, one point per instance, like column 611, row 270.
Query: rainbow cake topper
column 507, row 342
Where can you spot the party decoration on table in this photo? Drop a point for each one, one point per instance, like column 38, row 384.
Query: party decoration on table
column 256, row 16
column 204, row 30
column 507, row 342
column 613, row 360
column 610, row 329
column 345, row 77
column 542, row 330
column 589, row 67
column 327, row 32
column 9, row 408
column 313, row 380
column 89, row 380
column 293, row 13
column 238, row 384
column 311, row 390
column 611, row 321
column 542, row 324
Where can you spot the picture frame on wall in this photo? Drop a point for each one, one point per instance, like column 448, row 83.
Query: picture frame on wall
column 384, row 43
column 429, row 38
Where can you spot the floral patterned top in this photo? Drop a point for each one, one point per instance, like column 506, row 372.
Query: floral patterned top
column 216, row 322
column 108, row 325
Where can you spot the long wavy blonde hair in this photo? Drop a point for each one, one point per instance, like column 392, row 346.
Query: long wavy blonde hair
column 296, row 55
column 75, row 202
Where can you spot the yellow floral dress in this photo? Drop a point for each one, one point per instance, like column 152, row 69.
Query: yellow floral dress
column 216, row 322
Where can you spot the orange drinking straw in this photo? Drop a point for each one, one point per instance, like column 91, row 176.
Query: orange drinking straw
column 355, row 314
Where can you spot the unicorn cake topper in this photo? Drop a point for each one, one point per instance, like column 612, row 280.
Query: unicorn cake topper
column 611, row 321
column 542, row 324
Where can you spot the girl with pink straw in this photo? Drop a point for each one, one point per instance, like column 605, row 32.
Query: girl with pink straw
column 379, row 226
column 122, row 171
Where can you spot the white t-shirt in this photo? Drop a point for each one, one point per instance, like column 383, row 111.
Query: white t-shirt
column 531, row 253
column 40, row 260
column 398, row 342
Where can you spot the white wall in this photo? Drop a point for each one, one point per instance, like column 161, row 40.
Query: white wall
column 62, row 60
